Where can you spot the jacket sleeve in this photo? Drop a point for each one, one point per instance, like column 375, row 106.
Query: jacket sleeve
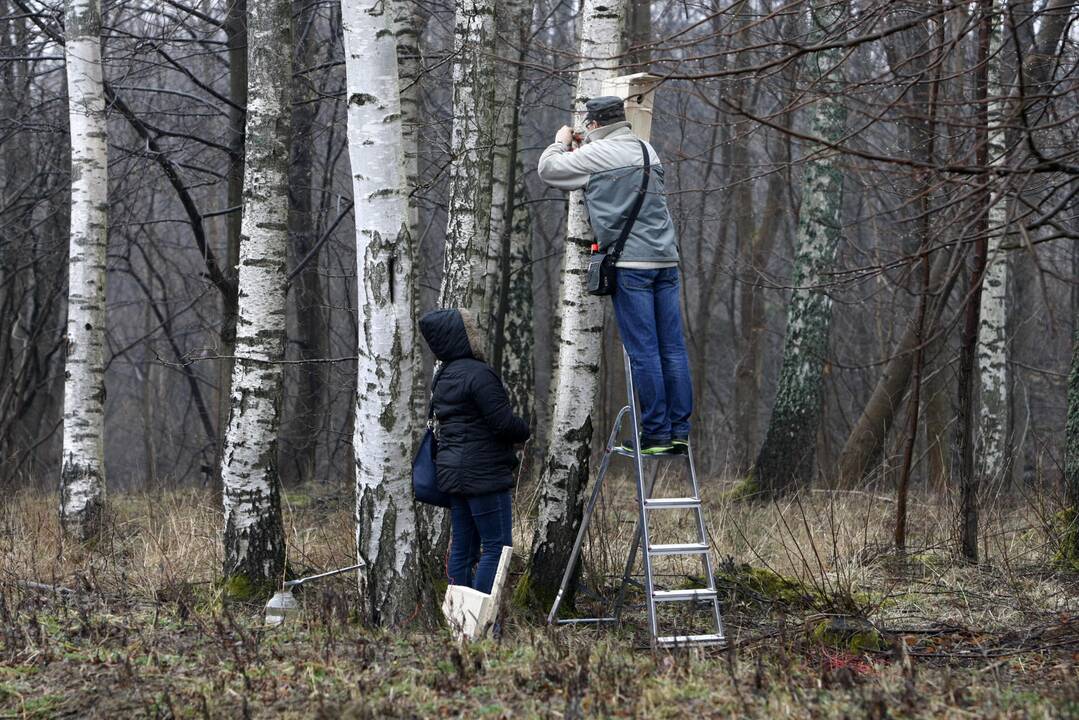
column 490, row 397
column 560, row 168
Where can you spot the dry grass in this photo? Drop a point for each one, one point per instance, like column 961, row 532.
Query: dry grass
column 145, row 631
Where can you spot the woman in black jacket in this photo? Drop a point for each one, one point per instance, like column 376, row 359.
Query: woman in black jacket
column 476, row 431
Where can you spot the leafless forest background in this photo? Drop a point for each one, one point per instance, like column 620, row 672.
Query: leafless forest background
column 727, row 123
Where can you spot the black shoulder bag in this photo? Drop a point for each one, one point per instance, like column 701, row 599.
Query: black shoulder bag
column 424, row 465
column 602, row 266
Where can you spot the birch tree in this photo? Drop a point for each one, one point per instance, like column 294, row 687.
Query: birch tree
column 407, row 25
column 254, row 536
column 518, row 340
column 992, row 327
column 788, row 455
column 386, row 532
column 82, row 474
column 508, row 286
column 235, row 28
column 469, row 213
column 566, row 467
column 510, row 19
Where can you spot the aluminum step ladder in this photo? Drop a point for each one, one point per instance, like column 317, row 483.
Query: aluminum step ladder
column 647, row 506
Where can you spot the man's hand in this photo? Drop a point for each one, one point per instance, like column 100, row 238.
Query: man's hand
column 565, row 135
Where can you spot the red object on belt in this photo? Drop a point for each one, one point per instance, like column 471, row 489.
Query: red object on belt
column 595, row 247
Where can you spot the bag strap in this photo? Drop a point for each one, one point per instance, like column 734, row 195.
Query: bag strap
column 434, row 384
column 620, row 243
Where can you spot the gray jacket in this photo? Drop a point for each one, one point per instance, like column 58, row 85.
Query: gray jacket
column 609, row 166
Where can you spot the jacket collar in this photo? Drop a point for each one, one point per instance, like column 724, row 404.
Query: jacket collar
column 607, row 131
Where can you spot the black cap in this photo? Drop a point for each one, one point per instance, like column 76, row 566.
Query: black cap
column 605, row 109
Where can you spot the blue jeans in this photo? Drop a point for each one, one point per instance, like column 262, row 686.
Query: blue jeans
column 647, row 307
column 479, row 527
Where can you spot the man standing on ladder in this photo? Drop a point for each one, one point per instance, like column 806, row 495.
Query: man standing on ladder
column 610, row 165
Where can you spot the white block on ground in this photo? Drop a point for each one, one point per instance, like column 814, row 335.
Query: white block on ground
column 470, row 613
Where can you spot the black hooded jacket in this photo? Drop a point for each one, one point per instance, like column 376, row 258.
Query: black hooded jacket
column 477, row 427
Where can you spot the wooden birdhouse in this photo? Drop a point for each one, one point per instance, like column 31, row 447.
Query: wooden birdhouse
column 638, row 91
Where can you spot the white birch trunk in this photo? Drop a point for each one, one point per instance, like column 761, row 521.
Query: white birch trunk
column 254, row 536
column 469, row 214
column 788, row 454
column 992, row 326
column 566, row 467
column 82, row 476
column 386, row 533
column 511, row 17
column 407, row 25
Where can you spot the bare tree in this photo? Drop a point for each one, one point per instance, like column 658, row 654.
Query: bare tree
column 788, row 455
column 469, row 213
column 82, row 478
column 566, row 465
column 386, row 531
column 254, row 536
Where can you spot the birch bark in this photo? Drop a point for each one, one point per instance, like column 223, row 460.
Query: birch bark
column 518, row 339
column 254, row 536
column 992, row 327
column 508, row 293
column 788, row 455
column 82, row 474
column 386, row 533
column 407, row 25
column 510, row 19
column 235, row 28
column 566, row 466
column 469, row 215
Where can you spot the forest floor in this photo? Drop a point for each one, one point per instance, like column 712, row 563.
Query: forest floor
column 824, row 619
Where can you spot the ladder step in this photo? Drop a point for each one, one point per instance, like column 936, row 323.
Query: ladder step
column 674, row 503
column 673, row 595
column 684, row 640
column 678, row 549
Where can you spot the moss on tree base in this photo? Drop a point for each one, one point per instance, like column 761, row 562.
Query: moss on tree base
column 844, row 632
column 1066, row 524
column 240, row 588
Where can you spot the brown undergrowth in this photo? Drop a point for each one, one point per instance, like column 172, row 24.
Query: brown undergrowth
column 824, row 621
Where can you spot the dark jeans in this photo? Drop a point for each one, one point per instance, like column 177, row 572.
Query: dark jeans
column 646, row 305
column 480, row 526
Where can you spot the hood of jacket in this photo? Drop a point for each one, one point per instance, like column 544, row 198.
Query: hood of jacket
column 452, row 334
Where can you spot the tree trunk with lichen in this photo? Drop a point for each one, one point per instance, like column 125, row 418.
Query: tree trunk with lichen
column 468, row 219
column 566, row 466
column 1069, row 552
column 508, row 297
column 965, row 422
column 994, row 455
column 787, row 459
column 254, row 536
column 518, row 340
column 82, row 474
column 407, row 24
column 509, row 23
column 391, row 587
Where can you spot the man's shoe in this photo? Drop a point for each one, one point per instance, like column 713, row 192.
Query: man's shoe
column 648, row 447
column 681, row 445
